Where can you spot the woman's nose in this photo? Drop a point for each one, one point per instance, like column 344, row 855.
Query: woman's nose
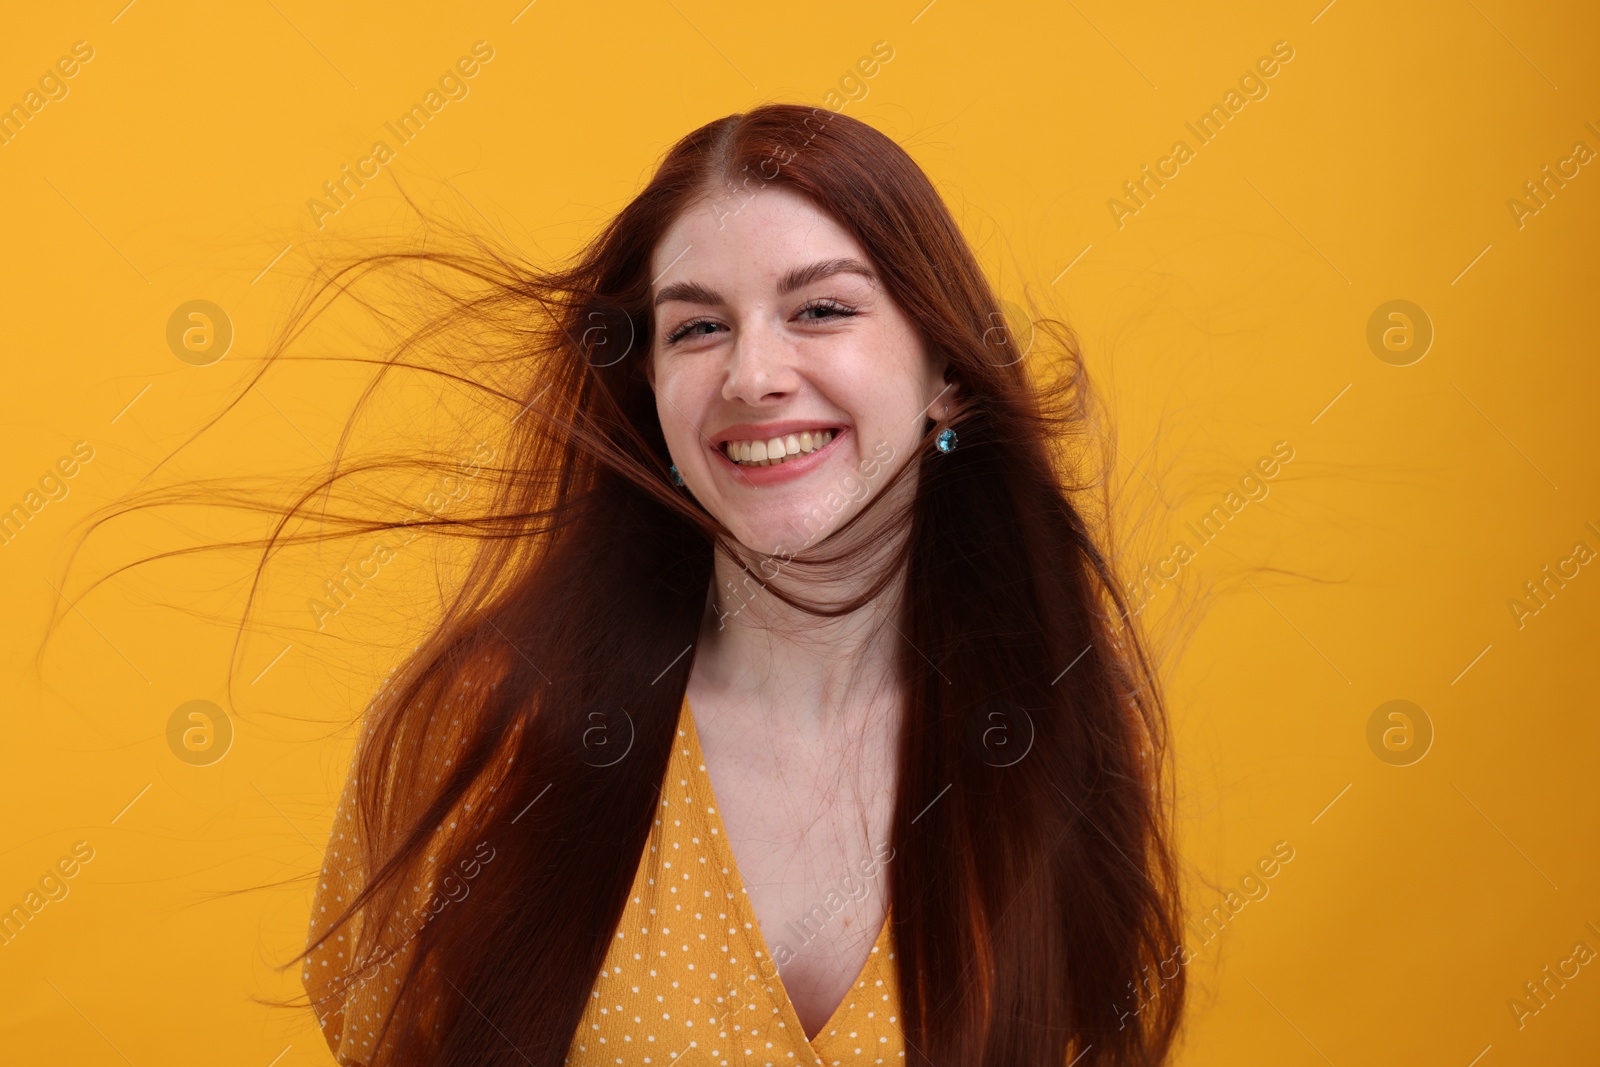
column 761, row 365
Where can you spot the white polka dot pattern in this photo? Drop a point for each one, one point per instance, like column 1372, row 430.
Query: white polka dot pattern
column 354, row 986
column 347, row 998
column 685, row 981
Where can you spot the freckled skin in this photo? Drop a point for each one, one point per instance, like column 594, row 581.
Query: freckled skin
column 763, row 357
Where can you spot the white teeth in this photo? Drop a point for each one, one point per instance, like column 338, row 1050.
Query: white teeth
column 776, row 450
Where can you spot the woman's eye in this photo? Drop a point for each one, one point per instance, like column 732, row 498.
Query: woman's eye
column 824, row 310
column 828, row 309
column 688, row 328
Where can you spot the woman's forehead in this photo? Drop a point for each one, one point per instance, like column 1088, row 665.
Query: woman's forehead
column 770, row 232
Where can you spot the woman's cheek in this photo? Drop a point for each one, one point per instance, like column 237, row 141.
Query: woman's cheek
column 677, row 402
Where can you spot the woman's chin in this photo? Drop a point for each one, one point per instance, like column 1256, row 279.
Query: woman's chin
column 779, row 539
column 767, row 544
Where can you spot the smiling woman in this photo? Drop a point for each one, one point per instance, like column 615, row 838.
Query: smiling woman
column 676, row 782
column 789, row 557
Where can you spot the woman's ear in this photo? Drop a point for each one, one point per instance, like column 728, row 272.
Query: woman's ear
column 945, row 398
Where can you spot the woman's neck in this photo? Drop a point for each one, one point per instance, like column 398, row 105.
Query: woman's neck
column 792, row 667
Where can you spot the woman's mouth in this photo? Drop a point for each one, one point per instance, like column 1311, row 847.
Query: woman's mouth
column 775, row 451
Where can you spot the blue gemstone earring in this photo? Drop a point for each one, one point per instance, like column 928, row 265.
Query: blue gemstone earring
column 946, row 441
column 677, row 479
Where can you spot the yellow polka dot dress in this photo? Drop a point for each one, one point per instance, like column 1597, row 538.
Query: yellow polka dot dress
column 688, row 980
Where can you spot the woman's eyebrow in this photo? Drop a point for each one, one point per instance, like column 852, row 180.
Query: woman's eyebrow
column 695, row 293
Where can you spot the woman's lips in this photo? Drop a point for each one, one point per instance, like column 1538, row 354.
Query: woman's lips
column 788, row 470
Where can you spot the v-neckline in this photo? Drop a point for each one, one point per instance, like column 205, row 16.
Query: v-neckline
column 754, row 934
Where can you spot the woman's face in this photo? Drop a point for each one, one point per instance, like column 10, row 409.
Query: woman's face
column 772, row 330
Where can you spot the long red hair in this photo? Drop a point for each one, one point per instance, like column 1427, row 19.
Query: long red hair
column 1029, row 903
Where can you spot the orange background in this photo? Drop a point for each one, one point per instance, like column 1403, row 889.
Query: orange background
column 1228, row 313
